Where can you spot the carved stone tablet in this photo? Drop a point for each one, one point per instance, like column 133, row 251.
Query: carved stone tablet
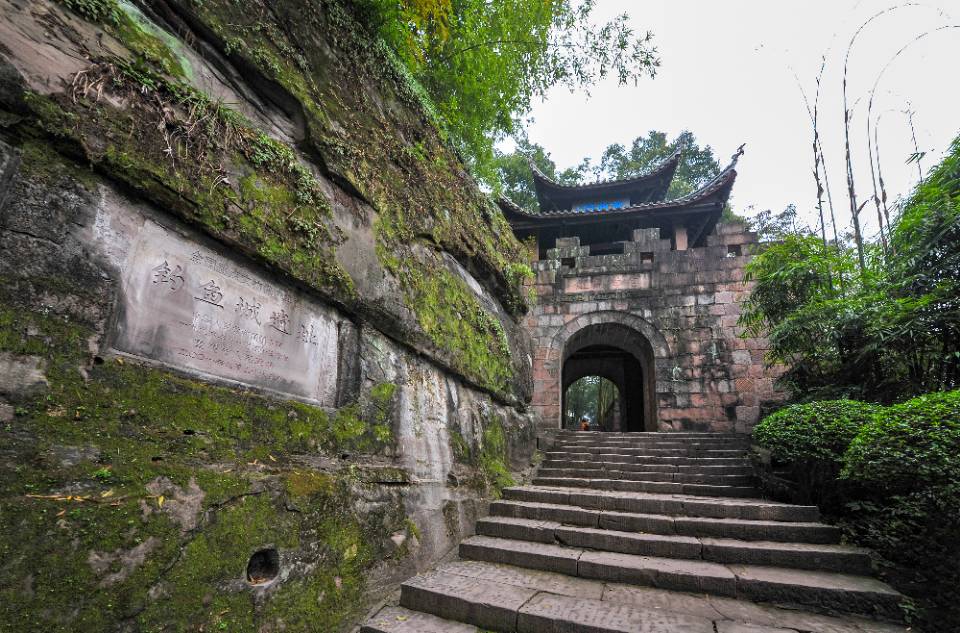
column 193, row 308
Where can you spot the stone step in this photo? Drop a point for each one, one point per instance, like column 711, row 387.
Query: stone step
column 508, row 608
column 746, row 469
column 600, row 605
column 400, row 620
column 563, row 614
column 684, row 445
column 567, row 433
column 652, row 452
column 741, row 529
column 826, row 557
column 670, row 504
column 642, row 475
column 653, row 437
column 480, row 602
column 725, row 441
column 707, row 490
column 614, row 458
column 826, row 590
column 659, row 451
column 692, row 443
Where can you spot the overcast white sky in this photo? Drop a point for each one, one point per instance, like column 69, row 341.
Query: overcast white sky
column 727, row 75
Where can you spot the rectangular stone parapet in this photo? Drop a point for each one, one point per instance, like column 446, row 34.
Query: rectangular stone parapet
column 568, row 251
column 656, row 246
column 545, row 264
column 646, row 240
column 730, row 228
column 732, row 238
column 645, row 236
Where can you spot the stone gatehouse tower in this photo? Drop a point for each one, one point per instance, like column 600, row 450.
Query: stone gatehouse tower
column 645, row 292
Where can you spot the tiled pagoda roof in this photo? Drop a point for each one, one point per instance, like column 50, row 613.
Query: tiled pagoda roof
column 655, row 176
column 712, row 195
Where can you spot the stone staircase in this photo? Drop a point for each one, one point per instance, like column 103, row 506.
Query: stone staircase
column 646, row 533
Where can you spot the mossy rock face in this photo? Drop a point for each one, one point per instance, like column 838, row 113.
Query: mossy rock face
column 135, row 498
column 130, row 494
column 326, row 121
column 87, row 561
column 137, row 495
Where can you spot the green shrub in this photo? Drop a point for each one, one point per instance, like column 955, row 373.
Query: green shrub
column 816, row 430
column 905, row 467
column 909, row 447
column 890, row 476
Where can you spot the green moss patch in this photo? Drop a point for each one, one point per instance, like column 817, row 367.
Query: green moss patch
column 204, row 162
column 488, row 454
column 91, row 451
column 455, row 321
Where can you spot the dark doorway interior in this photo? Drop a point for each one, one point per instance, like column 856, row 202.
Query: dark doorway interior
column 624, row 357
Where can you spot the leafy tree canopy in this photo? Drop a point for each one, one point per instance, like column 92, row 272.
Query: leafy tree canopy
column 697, row 164
column 515, row 180
column 775, row 227
column 483, row 62
column 880, row 333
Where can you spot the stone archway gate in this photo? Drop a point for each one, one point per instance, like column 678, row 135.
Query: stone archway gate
column 684, row 303
column 623, row 331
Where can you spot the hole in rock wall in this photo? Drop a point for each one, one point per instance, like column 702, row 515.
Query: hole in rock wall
column 734, row 250
column 569, row 262
column 646, row 258
column 264, row 566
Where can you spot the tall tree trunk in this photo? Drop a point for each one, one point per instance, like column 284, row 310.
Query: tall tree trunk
column 851, row 187
column 883, row 188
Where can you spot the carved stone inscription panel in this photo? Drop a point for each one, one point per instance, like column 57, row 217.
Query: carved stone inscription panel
column 190, row 307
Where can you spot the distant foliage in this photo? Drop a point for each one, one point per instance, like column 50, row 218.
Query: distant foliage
column 484, row 62
column 773, row 227
column 593, row 397
column 697, row 166
column 514, row 179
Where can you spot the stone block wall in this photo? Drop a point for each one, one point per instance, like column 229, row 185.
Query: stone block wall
column 686, row 303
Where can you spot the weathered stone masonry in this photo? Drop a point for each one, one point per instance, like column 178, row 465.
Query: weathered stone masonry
column 644, row 292
column 686, row 303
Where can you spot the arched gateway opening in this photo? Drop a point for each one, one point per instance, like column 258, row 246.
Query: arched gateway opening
column 622, row 355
